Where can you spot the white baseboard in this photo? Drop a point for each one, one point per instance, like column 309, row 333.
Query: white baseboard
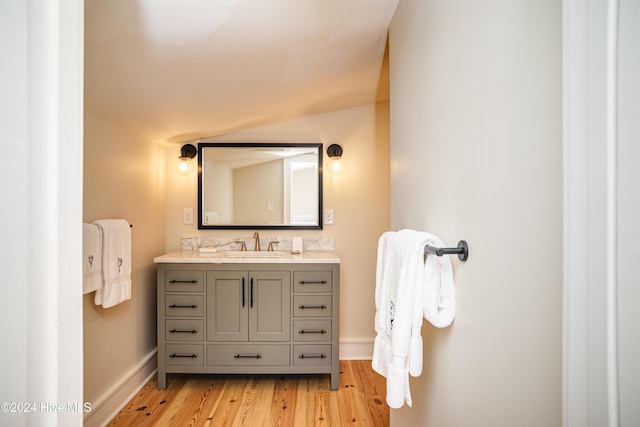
column 356, row 349
column 109, row 404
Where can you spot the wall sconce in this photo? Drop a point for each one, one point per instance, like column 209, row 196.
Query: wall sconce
column 336, row 165
column 187, row 153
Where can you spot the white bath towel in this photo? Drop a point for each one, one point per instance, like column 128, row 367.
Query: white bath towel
column 116, row 262
column 405, row 287
column 91, row 258
column 384, row 302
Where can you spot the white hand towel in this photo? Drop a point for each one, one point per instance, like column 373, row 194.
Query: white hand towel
column 439, row 291
column 91, row 258
column 116, row 262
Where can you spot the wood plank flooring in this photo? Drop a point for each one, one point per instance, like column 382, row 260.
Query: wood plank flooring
column 262, row 400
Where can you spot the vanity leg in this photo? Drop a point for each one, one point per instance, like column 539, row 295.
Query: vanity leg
column 162, row 380
column 335, row 380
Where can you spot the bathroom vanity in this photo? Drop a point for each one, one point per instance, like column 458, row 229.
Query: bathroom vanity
column 248, row 313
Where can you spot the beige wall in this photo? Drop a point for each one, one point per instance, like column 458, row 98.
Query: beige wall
column 359, row 198
column 123, row 178
column 476, row 149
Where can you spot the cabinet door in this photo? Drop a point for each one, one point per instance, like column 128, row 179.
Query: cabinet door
column 227, row 305
column 269, row 305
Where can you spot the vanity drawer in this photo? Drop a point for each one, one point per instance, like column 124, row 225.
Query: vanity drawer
column 184, row 330
column 184, row 305
column 312, row 355
column 312, row 330
column 312, row 281
column 248, row 355
column 184, row 281
column 312, row 306
column 184, row 354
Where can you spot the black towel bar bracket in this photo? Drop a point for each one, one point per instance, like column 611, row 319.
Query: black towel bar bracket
column 462, row 250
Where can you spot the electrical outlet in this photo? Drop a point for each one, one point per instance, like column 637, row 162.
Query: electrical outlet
column 188, row 216
column 328, row 216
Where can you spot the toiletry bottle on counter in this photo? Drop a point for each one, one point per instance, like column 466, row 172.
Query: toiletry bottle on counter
column 296, row 244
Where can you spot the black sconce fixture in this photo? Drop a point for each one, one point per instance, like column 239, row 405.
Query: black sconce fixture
column 336, row 165
column 187, row 153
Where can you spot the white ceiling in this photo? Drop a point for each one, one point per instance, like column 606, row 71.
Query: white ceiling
column 179, row 70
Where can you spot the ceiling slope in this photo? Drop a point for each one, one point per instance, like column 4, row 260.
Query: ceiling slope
column 174, row 71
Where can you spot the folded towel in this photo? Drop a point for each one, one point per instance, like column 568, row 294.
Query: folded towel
column 91, row 258
column 116, row 262
column 207, row 249
column 408, row 288
column 439, row 292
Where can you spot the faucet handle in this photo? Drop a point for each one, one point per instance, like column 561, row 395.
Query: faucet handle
column 271, row 243
column 243, row 247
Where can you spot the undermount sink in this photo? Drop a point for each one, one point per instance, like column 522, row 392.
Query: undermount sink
column 254, row 254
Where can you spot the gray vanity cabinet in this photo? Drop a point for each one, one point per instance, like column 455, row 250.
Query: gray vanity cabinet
column 248, row 305
column 243, row 318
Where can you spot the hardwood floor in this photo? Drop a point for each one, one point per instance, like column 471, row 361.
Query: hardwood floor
column 262, row 400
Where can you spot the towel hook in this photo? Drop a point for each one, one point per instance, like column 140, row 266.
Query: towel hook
column 462, row 250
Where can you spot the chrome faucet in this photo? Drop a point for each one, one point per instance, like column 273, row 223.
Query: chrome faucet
column 257, row 237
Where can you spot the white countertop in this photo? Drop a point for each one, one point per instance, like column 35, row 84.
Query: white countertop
column 195, row 257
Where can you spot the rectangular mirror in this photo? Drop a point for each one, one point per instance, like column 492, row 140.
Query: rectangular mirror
column 259, row 185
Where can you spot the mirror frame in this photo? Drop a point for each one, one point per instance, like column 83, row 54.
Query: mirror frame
column 203, row 145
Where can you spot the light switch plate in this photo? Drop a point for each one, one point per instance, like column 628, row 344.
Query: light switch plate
column 328, row 216
column 188, row 216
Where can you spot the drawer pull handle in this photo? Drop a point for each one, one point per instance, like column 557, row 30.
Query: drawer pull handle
column 312, row 356
column 183, row 306
column 312, row 331
column 312, row 282
column 191, row 356
column 183, row 281
column 248, row 356
column 179, row 331
column 321, row 307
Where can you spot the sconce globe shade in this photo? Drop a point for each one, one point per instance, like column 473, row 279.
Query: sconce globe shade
column 336, row 165
column 187, row 153
column 186, row 166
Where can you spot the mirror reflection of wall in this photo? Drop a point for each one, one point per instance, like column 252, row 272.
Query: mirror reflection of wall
column 303, row 181
column 218, row 199
column 254, row 184
column 258, row 193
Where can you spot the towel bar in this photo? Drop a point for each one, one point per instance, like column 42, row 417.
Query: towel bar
column 462, row 250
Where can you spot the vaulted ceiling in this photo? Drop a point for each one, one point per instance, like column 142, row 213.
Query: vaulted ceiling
column 174, row 71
